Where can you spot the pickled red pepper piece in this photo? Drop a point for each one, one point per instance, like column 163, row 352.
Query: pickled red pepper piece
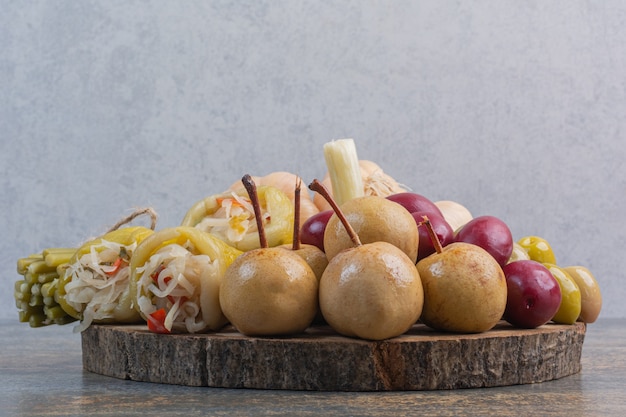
column 230, row 217
column 95, row 285
column 156, row 321
column 176, row 274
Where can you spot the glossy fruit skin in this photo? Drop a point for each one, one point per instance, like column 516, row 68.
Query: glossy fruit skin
column 269, row 291
column 442, row 229
column 570, row 306
column 374, row 219
column 491, row 234
column 372, row 291
column 518, row 253
column 312, row 230
column 414, row 202
column 533, row 294
column 591, row 297
column 318, row 262
column 538, row 249
column 465, row 290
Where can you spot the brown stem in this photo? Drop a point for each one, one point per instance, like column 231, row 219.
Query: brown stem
column 431, row 232
column 250, row 187
column 147, row 210
column 318, row 187
column 296, row 215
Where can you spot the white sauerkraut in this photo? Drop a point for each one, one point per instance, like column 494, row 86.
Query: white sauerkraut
column 172, row 280
column 233, row 220
column 97, row 281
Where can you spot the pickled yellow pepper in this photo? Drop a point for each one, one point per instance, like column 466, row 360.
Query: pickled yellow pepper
column 230, row 217
column 175, row 278
column 95, row 289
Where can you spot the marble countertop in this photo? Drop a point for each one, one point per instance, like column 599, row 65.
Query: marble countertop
column 41, row 374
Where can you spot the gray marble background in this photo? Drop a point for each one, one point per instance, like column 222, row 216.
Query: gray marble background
column 515, row 109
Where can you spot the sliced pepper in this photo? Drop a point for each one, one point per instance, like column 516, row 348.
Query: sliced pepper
column 156, row 321
column 230, row 217
column 179, row 270
column 93, row 289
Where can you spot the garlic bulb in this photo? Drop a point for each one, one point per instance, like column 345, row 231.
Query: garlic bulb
column 375, row 182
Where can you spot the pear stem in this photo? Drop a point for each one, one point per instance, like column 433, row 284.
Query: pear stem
column 318, row 187
column 250, row 187
column 431, row 232
column 296, row 215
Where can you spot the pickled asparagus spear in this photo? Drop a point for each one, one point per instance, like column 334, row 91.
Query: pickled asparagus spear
column 53, row 259
column 34, row 292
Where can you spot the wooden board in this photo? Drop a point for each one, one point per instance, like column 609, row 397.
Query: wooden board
column 321, row 360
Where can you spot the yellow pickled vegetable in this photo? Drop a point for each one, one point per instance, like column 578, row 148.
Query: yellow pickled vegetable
column 176, row 274
column 95, row 286
column 230, row 217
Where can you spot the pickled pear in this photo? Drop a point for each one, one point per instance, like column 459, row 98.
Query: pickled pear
column 312, row 255
column 372, row 291
column 465, row 288
column 268, row 291
column 373, row 219
column 369, row 290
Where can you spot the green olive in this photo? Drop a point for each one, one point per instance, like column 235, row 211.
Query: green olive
column 570, row 307
column 519, row 253
column 538, row 249
column 591, row 298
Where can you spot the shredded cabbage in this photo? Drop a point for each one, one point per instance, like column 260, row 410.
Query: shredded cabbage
column 170, row 279
column 233, row 220
column 96, row 284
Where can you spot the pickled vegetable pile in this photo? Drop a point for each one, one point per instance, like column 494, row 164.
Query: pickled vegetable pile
column 270, row 259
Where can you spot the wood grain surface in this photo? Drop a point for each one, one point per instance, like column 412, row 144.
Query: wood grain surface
column 321, row 360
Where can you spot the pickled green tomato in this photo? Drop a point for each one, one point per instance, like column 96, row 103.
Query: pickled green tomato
column 538, row 249
column 571, row 302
